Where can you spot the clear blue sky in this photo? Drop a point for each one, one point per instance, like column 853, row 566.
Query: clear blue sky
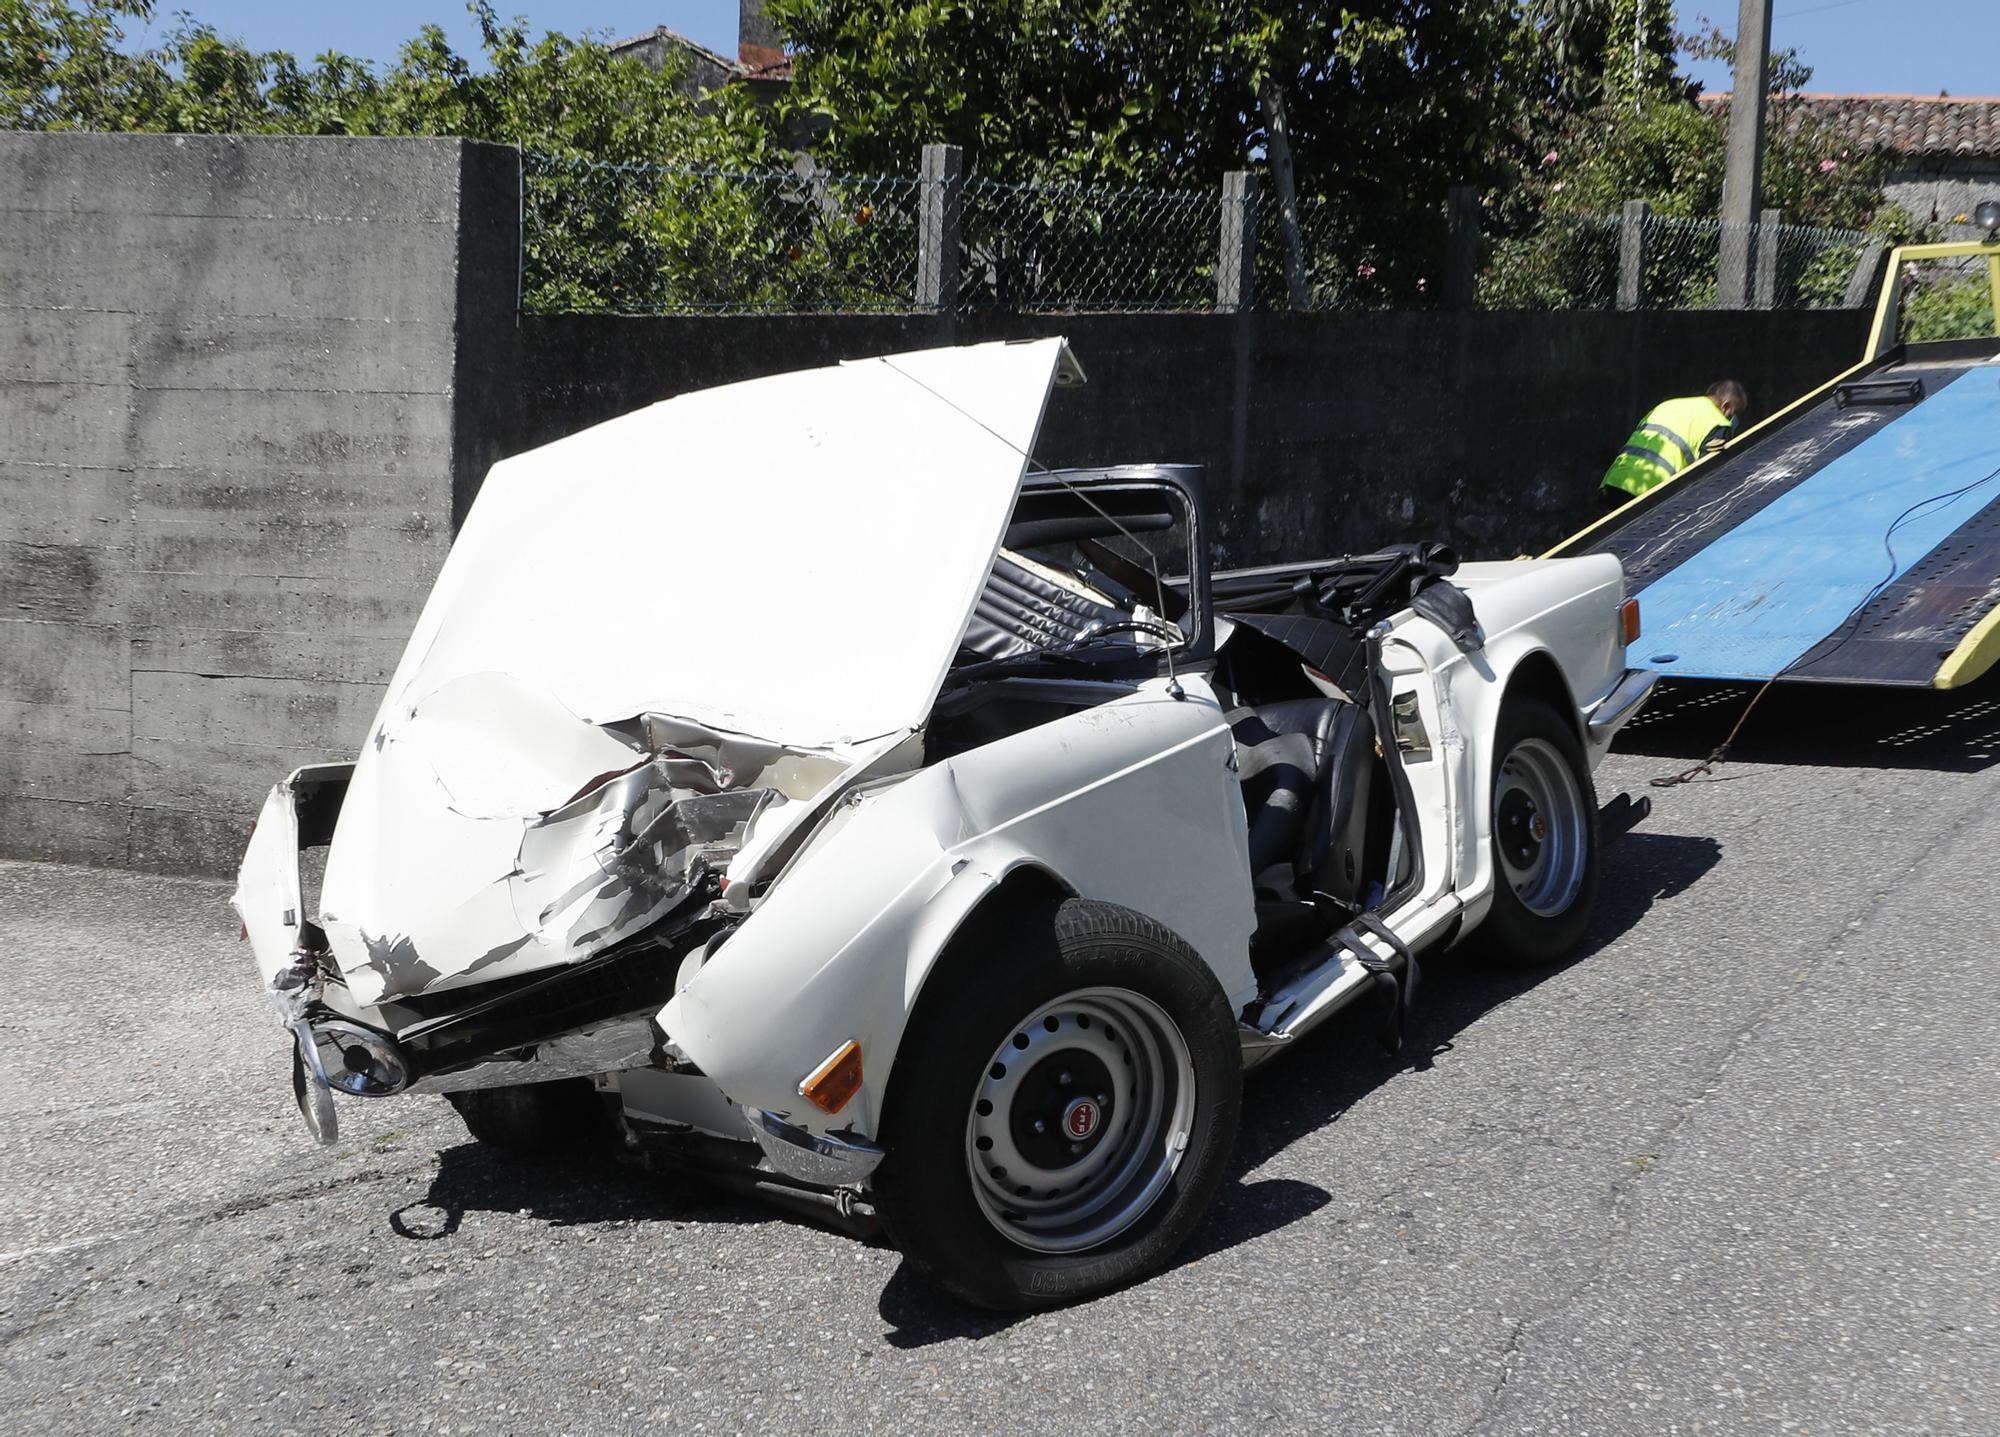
column 1855, row 46
column 374, row 29
column 1867, row 47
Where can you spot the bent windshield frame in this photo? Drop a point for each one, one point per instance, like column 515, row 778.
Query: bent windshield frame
column 1134, row 500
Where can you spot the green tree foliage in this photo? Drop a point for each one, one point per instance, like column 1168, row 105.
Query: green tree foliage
column 1388, row 102
column 601, row 238
column 61, row 68
column 1153, row 91
column 1946, row 301
column 1658, row 144
column 1558, row 110
column 1652, row 140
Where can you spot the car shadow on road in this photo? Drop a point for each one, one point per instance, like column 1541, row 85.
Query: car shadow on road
column 1343, row 1063
column 583, row 1187
column 919, row 1315
column 1459, row 988
column 1953, row 731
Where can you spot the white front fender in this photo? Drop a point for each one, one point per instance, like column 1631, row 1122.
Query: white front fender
column 268, row 897
column 1134, row 802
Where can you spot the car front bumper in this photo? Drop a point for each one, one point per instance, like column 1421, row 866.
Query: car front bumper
column 811, row 1157
column 1618, row 707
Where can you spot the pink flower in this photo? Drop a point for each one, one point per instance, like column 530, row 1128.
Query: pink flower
column 1549, row 158
column 1365, row 270
column 1422, row 284
column 1827, row 167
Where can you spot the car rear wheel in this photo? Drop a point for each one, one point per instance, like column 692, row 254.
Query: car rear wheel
column 1544, row 834
column 1062, row 1109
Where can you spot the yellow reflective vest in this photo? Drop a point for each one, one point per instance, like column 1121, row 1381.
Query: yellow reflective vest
column 1669, row 439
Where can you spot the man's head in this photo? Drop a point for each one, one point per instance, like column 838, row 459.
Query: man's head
column 1729, row 398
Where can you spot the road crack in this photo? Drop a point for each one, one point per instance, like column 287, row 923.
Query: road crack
column 139, row 1244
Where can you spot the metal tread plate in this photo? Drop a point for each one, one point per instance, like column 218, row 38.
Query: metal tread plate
column 1920, row 619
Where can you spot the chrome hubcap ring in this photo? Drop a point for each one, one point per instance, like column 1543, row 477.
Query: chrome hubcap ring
column 1080, row 1120
column 1540, row 827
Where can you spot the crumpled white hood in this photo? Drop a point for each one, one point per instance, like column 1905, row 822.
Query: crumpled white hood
column 779, row 571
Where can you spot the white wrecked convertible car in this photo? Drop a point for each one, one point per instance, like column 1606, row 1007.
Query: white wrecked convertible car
column 907, row 828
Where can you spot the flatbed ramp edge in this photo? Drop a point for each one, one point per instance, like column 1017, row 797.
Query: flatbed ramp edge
column 1853, row 537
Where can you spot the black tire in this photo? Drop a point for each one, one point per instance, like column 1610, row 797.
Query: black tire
column 1540, row 919
column 533, row 1118
column 1073, row 959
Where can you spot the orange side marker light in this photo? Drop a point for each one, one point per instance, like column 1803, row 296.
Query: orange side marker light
column 832, row 1083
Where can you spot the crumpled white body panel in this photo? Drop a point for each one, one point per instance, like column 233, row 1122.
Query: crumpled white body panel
column 786, row 564
column 1134, row 802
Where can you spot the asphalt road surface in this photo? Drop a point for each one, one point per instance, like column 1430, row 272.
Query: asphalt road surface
column 1734, row 1169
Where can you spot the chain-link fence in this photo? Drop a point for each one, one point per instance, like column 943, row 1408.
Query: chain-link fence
column 650, row 240
column 1097, row 247
column 1352, row 256
column 1571, row 262
column 1812, row 268
column 653, row 240
column 1654, row 262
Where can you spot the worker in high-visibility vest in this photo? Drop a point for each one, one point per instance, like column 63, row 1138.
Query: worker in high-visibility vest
column 1672, row 437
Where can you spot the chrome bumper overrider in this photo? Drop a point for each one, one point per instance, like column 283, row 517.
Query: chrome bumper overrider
column 1621, row 704
column 811, row 1157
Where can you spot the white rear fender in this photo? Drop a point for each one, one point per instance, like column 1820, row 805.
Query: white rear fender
column 1551, row 628
column 1133, row 802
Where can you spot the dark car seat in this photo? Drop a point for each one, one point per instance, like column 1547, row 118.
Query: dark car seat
column 1020, row 609
column 1307, row 768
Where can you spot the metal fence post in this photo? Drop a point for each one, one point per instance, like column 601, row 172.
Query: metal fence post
column 1632, row 254
column 940, row 201
column 1461, row 280
column 1861, row 284
column 1236, row 246
column 1766, row 293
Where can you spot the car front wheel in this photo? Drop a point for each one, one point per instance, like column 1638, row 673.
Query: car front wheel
column 1062, row 1110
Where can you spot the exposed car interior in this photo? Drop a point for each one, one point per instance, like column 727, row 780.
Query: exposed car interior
column 1089, row 595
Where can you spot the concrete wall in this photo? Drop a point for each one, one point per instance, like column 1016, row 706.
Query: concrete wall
column 1322, row 433
column 227, row 445
column 247, row 387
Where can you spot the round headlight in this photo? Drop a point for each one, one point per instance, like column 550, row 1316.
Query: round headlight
column 360, row 1061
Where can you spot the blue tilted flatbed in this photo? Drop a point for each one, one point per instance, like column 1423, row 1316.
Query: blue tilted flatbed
column 1854, row 537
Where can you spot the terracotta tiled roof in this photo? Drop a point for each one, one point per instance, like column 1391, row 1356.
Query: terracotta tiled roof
column 1934, row 126
column 763, row 62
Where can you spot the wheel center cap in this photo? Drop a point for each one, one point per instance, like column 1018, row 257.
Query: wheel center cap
column 1538, row 829
column 1080, row 1118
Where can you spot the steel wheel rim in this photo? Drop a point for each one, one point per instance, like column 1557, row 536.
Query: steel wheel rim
column 1539, row 827
column 1126, row 1058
